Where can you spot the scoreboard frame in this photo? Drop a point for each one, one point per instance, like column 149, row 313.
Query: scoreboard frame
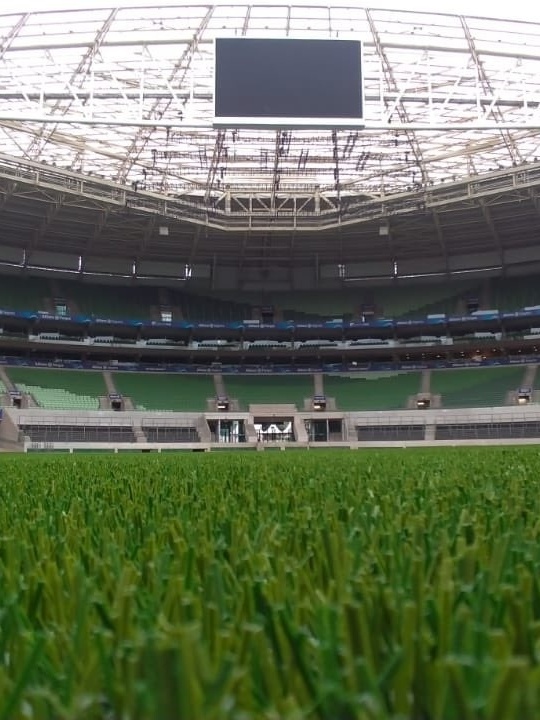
column 272, row 122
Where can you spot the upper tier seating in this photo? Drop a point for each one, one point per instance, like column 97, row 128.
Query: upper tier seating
column 23, row 293
column 388, row 391
column 165, row 391
column 269, row 389
column 210, row 309
column 515, row 293
column 410, row 301
column 475, row 387
column 110, row 301
column 399, row 299
column 60, row 389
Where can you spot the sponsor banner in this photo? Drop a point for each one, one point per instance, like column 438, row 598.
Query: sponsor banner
column 231, row 369
column 408, row 323
column 520, row 314
column 258, row 326
column 463, row 319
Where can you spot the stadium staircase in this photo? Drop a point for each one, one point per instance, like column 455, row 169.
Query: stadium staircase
column 6, row 380
column 318, row 383
column 109, row 382
column 529, row 376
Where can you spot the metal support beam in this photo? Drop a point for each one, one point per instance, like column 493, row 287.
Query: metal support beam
column 440, row 235
column 486, row 212
column 52, row 212
column 214, row 164
column 76, row 80
column 400, row 108
column 177, row 75
column 12, row 34
column 486, row 85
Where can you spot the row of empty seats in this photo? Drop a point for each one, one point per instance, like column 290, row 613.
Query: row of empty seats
column 60, row 389
column 399, row 300
column 387, row 391
column 55, row 389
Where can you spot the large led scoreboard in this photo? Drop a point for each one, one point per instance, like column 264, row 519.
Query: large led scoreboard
column 288, row 83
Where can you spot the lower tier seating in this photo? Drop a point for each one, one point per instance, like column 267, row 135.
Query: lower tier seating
column 60, row 389
column 270, row 389
column 388, row 391
column 166, row 391
column 475, row 387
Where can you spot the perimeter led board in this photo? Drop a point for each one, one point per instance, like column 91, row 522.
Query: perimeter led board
column 288, row 83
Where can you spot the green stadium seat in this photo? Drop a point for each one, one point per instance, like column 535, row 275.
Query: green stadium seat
column 23, row 293
column 60, row 389
column 165, row 391
column 269, row 389
column 475, row 387
column 110, row 301
column 387, row 391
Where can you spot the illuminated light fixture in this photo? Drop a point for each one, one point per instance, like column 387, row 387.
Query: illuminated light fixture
column 524, row 396
column 319, row 403
column 163, row 230
column 222, row 404
column 384, row 230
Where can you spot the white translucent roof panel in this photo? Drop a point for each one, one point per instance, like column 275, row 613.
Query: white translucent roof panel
column 127, row 94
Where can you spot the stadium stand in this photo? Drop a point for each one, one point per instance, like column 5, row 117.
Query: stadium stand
column 407, row 301
column 388, row 391
column 270, row 389
column 165, row 391
column 144, row 302
column 23, row 294
column 514, row 293
column 210, row 309
column 109, row 301
column 60, row 389
column 475, row 387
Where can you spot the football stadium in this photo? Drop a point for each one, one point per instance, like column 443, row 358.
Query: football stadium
column 229, row 228
column 292, row 278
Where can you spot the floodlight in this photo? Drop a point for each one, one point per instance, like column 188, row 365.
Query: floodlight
column 222, row 404
column 524, row 395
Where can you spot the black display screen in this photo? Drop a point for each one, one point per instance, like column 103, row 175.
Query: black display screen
column 288, row 78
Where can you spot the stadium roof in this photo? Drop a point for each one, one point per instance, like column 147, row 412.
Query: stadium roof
column 107, row 112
